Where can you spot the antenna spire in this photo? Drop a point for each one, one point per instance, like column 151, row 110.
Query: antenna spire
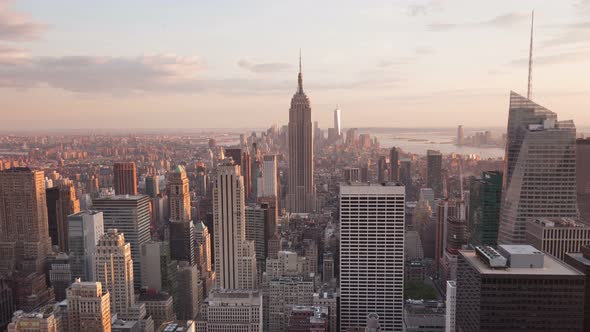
column 300, row 78
column 529, row 91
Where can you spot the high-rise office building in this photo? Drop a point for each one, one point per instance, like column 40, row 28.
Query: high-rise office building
column 158, row 268
column 540, row 169
column 255, row 231
column 405, row 172
column 308, row 318
column 460, row 135
column 557, row 236
column 451, row 305
column 60, row 275
column 61, row 202
column 179, row 195
column 485, row 197
column 583, row 177
column 581, row 262
column 24, row 234
column 382, row 173
column 84, row 230
column 42, row 320
column 152, row 185
column 434, row 178
column 160, row 306
column 284, row 293
column 130, row 215
column 351, row 174
column 517, row 288
column 301, row 187
column 114, row 270
column 203, row 238
column 371, row 254
column 235, row 258
column 394, row 165
column 188, row 297
column 270, row 176
column 125, row 178
column 231, row 310
column 337, row 128
column 89, row 308
column 6, row 303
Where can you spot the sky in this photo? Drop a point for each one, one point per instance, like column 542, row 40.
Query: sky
column 70, row 64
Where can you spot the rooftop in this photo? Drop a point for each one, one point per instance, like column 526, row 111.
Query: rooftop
column 551, row 266
column 563, row 222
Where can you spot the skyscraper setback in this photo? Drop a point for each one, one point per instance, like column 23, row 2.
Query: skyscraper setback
column 301, row 189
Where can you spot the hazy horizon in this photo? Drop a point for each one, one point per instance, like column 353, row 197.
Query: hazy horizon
column 416, row 64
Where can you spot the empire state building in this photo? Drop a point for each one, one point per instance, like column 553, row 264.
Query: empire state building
column 301, row 190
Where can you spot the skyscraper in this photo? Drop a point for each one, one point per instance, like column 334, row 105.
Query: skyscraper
column 485, row 195
column 337, row 128
column 24, row 234
column 130, row 215
column 372, row 255
column 114, row 270
column 235, row 258
column 460, row 135
column 84, row 230
column 301, row 188
column 382, row 170
column 394, row 165
column 434, row 172
column 152, row 186
column 125, row 178
column 270, row 175
column 188, row 298
column 61, row 202
column 182, row 231
column 517, row 288
column 89, row 308
column 540, row 168
column 583, row 177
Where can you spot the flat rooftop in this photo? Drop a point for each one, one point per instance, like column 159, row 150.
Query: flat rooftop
column 365, row 188
column 515, row 249
column 561, row 222
column 551, row 267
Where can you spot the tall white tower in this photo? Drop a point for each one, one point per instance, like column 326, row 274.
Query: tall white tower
column 235, row 258
column 371, row 255
column 337, row 127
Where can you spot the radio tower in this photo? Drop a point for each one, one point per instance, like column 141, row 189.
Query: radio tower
column 529, row 91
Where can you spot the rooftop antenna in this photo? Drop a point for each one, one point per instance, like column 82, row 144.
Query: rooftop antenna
column 300, row 78
column 529, row 91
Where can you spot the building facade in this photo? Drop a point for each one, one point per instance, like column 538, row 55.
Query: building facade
column 130, row 215
column 301, row 187
column 371, row 255
column 125, row 178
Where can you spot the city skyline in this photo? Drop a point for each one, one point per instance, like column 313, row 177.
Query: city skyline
column 407, row 53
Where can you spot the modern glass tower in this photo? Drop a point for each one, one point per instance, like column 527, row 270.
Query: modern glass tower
column 485, row 196
column 540, row 168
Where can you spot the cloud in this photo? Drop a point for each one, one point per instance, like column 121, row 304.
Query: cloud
column 263, row 68
column 116, row 75
column 129, row 76
column 501, row 21
column 12, row 56
column 15, row 26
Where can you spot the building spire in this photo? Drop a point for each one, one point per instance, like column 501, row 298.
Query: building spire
column 529, row 91
column 300, row 78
